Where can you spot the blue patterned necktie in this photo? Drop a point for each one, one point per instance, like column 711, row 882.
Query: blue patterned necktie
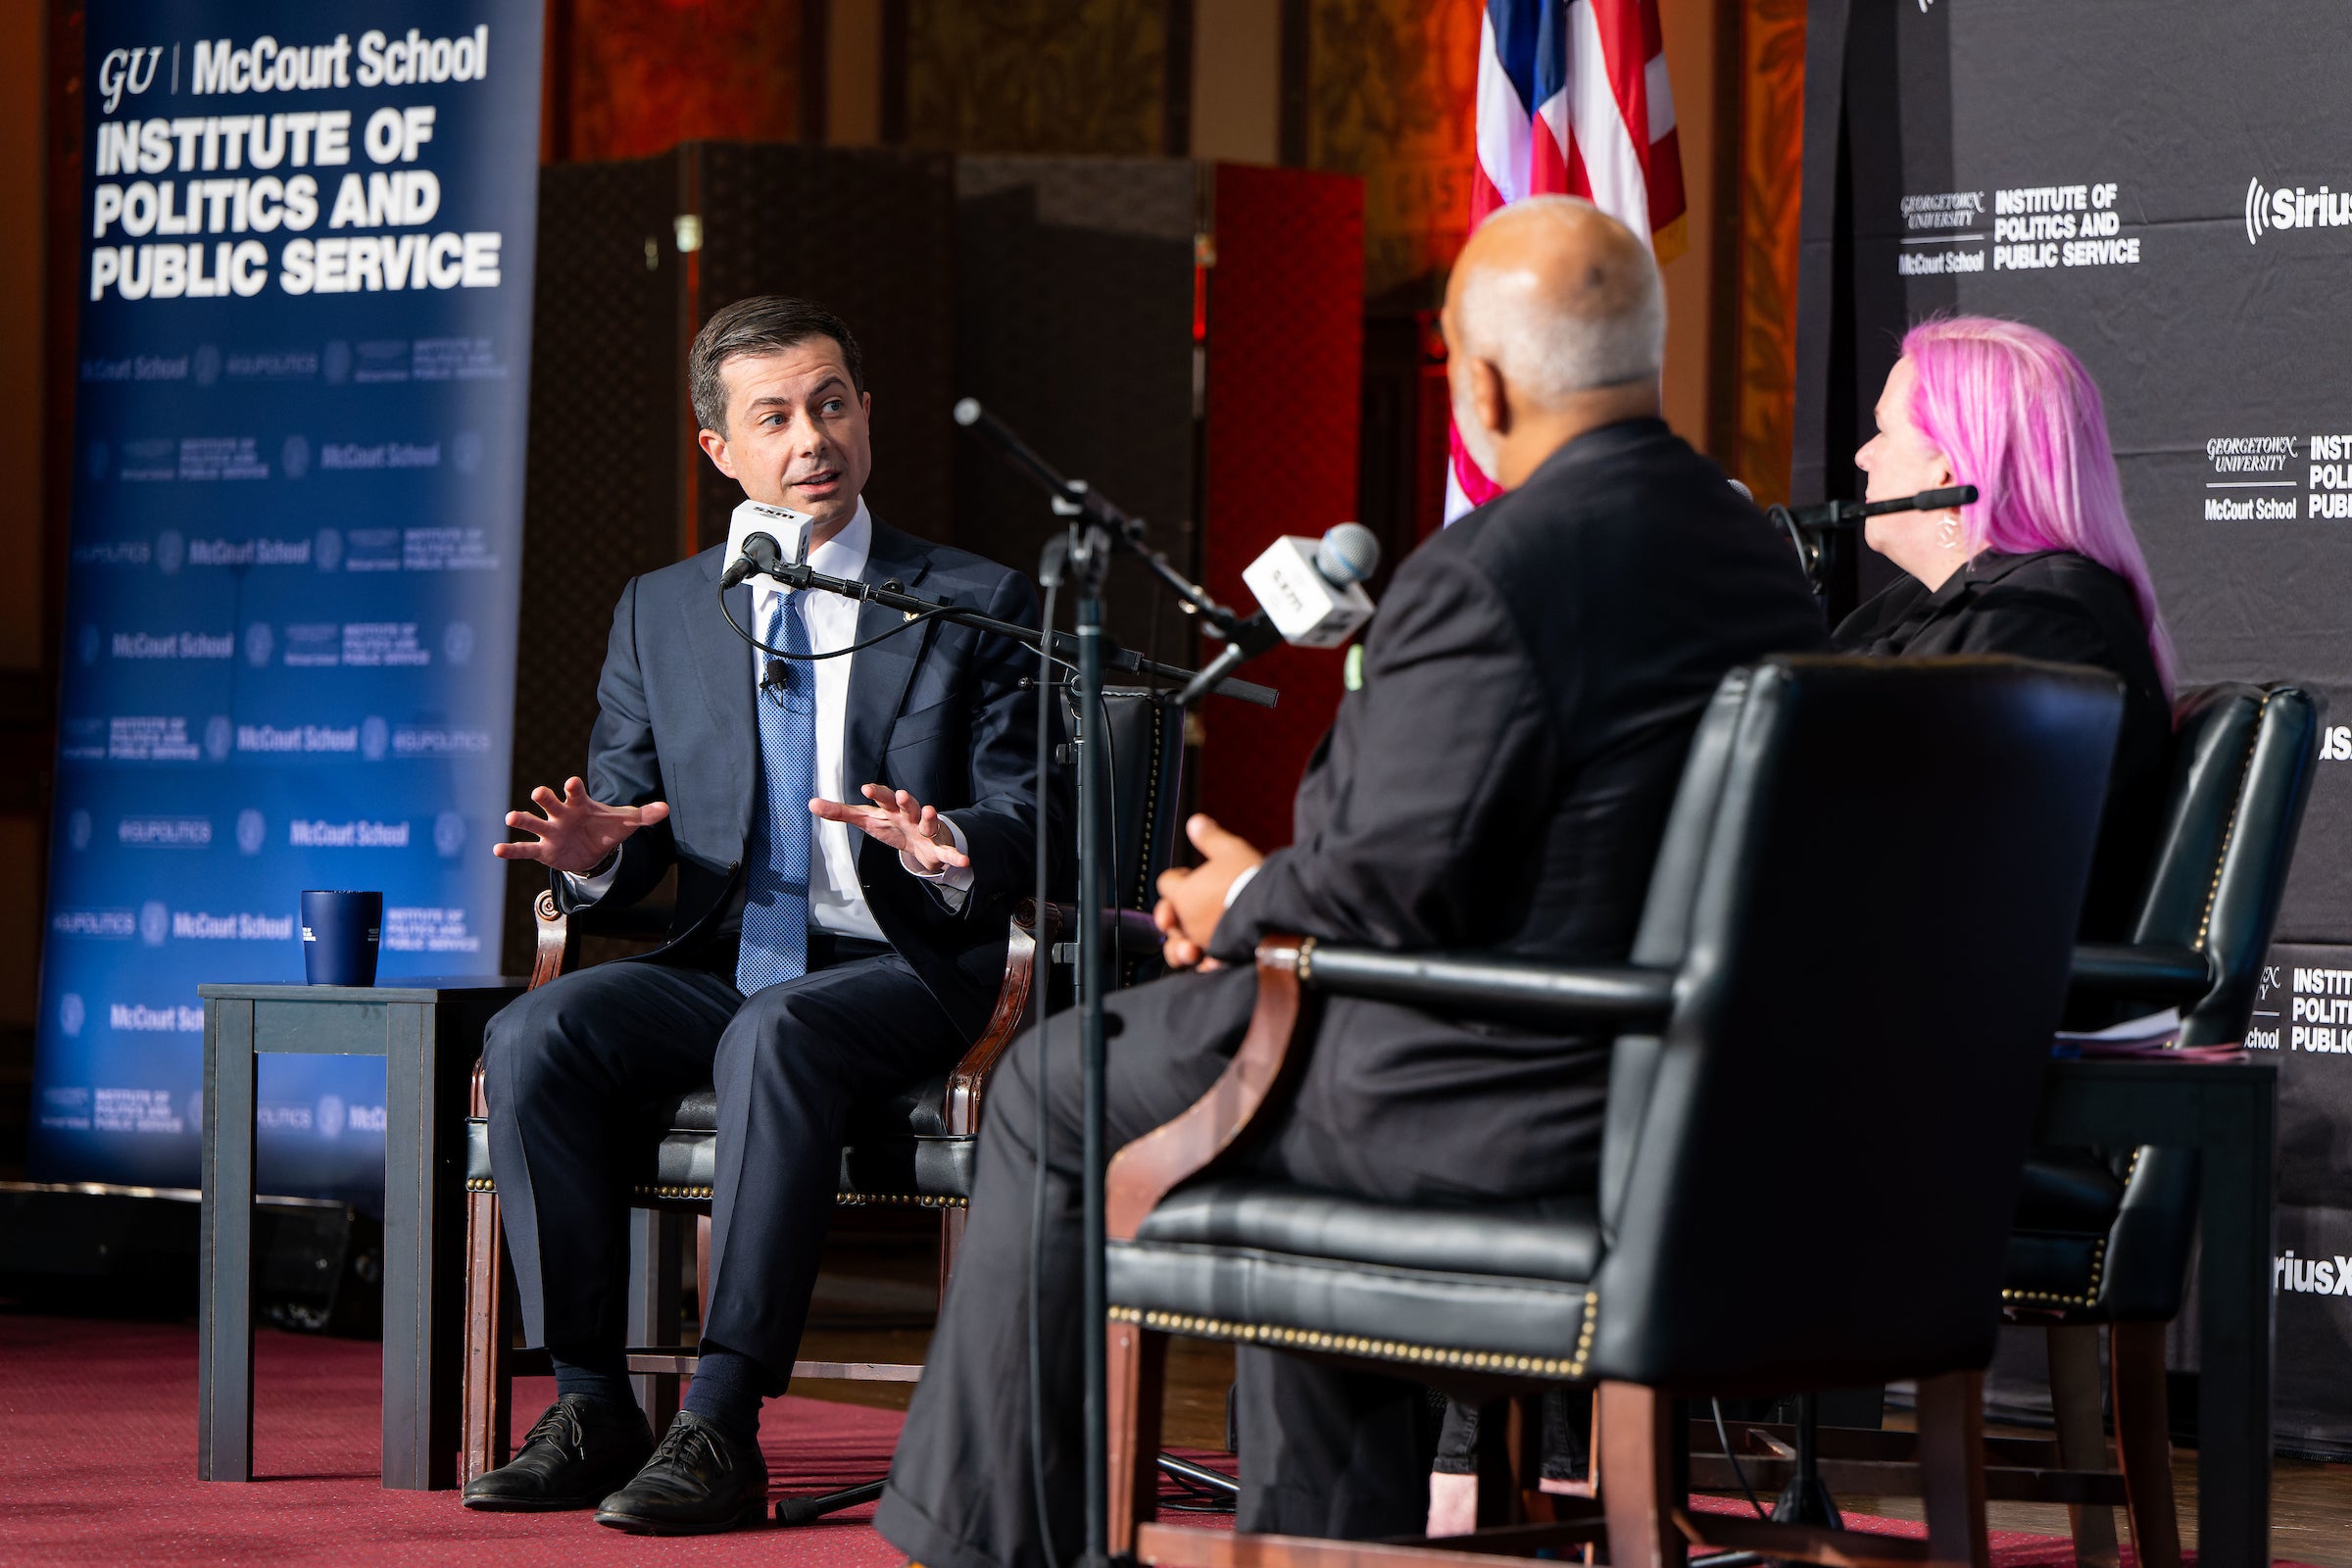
column 775, row 911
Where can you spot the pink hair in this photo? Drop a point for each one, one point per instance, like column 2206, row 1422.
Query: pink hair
column 2019, row 418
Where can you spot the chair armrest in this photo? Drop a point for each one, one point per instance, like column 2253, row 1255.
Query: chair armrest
column 1618, row 994
column 1132, row 929
column 1260, row 1072
column 558, row 943
column 1026, row 951
column 2174, row 973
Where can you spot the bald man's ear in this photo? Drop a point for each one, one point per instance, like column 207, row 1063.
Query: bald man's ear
column 1489, row 397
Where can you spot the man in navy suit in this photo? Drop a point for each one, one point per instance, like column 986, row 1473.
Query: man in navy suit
column 849, row 825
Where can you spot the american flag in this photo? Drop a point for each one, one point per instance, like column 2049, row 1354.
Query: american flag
column 1573, row 98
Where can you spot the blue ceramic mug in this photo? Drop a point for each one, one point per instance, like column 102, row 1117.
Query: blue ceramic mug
column 340, row 934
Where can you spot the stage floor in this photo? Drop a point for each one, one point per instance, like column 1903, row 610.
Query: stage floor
column 98, row 1465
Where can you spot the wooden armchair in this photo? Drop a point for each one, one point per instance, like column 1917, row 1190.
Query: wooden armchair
column 912, row 1150
column 1768, row 1022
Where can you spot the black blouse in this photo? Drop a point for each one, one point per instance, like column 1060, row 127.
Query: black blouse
column 2069, row 609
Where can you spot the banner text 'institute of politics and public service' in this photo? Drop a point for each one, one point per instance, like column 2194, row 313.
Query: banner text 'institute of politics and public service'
column 303, row 358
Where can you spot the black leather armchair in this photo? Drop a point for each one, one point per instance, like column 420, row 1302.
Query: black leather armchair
column 913, row 1150
column 2102, row 1237
column 1781, row 1044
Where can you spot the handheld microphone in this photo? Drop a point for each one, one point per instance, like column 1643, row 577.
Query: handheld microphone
column 754, row 533
column 1310, row 593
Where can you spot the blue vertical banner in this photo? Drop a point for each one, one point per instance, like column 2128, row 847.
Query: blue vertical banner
column 289, row 661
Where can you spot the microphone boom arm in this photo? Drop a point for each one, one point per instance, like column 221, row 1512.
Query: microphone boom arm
column 1076, row 498
column 1062, row 645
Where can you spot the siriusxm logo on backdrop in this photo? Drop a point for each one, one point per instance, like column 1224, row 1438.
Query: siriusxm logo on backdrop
column 2311, row 1276
column 2294, row 208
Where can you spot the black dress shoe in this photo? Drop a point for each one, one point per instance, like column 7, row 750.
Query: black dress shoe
column 579, row 1451
column 699, row 1482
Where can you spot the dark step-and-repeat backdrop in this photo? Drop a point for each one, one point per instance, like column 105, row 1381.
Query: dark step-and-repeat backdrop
column 289, row 664
column 2167, row 187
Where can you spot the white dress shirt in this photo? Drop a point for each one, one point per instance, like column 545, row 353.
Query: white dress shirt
column 836, row 903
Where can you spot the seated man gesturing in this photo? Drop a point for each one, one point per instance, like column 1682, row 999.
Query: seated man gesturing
column 1501, row 782
column 849, row 833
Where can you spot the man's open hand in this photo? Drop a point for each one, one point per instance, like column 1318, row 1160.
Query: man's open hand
column 896, row 818
column 576, row 833
column 1192, row 901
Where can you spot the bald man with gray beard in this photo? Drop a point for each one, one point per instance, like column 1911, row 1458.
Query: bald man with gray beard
column 1499, row 783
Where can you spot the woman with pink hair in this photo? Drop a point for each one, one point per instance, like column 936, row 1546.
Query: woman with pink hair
column 2042, row 565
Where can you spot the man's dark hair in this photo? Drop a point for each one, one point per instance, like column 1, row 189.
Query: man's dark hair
column 764, row 324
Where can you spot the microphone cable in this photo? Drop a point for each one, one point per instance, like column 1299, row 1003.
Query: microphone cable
column 1041, row 989
column 908, row 624
column 1723, row 1434
column 855, row 647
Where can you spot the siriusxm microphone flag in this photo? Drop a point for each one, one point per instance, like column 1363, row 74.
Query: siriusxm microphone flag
column 304, row 352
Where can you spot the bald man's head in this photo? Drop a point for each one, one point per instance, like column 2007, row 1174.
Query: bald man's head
column 1561, row 298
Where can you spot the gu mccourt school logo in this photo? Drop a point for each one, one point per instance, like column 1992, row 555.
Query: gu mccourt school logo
column 2294, row 207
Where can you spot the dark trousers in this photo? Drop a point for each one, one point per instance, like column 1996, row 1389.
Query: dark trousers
column 1325, row 1450
column 576, row 1073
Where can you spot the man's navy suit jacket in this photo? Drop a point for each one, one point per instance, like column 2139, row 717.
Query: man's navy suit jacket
column 936, row 710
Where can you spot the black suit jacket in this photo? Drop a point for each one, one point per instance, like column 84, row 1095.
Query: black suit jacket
column 2068, row 608
column 1502, row 781
column 935, row 711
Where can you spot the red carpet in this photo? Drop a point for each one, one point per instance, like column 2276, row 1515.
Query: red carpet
column 98, row 1465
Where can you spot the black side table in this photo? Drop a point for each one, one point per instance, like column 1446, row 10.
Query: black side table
column 429, row 1033
column 2229, row 1113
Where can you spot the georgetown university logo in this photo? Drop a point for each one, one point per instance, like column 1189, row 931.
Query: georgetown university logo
column 2294, row 208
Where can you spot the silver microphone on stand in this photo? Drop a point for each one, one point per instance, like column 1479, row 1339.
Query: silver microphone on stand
column 1310, row 593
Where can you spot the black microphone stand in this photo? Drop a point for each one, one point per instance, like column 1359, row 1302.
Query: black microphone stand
column 1095, row 527
column 1813, row 531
